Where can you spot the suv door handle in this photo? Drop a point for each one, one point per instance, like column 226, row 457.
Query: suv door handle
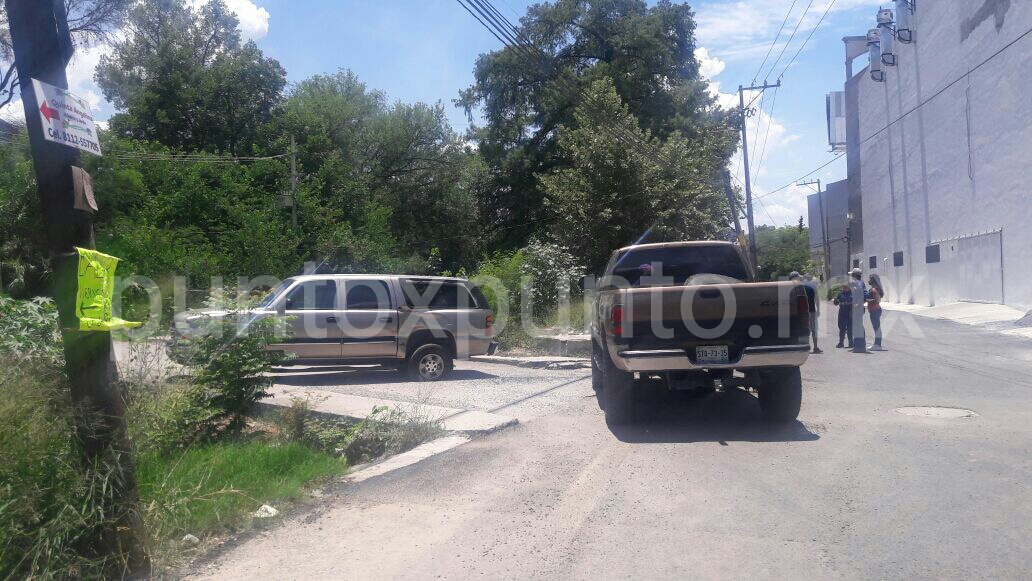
column 387, row 319
column 331, row 319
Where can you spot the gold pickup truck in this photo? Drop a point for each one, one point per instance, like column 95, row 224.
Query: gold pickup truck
column 692, row 314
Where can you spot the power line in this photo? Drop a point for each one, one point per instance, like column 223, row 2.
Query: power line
column 774, row 42
column 802, row 46
column 805, row 175
column 766, row 135
column 789, row 41
column 944, row 89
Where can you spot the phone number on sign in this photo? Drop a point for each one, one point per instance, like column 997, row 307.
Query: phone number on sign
column 72, row 139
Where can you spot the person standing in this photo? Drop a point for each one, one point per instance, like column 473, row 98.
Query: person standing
column 859, row 294
column 812, row 303
column 844, row 300
column 874, row 310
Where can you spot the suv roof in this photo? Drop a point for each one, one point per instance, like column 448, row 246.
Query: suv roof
column 397, row 276
column 676, row 244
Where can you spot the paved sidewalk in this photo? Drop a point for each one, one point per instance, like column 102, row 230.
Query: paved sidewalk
column 993, row 317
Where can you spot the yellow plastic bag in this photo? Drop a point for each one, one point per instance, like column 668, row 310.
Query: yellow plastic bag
column 96, row 288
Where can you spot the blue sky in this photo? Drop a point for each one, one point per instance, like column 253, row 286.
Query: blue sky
column 424, row 50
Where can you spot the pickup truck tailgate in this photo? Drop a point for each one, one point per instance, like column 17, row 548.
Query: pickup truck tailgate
column 736, row 314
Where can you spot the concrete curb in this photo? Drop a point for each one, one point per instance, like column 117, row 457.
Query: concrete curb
column 453, row 420
column 536, row 362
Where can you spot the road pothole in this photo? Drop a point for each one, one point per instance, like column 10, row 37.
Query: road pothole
column 936, row 412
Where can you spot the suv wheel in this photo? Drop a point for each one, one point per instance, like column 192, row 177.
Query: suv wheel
column 617, row 392
column 781, row 394
column 430, row 363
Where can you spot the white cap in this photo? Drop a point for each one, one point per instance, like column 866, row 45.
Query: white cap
column 793, row 274
column 856, row 271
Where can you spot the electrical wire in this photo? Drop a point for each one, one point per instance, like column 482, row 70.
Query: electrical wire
column 789, row 41
column 774, row 42
column 805, row 175
column 766, row 135
column 802, row 46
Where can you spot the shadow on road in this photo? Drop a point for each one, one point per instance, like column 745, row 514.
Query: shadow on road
column 344, row 375
column 683, row 417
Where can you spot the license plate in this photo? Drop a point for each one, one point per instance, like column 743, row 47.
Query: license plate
column 711, row 354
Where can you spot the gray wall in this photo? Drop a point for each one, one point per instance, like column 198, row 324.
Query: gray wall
column 945, row 147
column 836, row 205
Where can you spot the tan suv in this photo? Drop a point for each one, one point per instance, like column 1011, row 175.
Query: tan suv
column 418, row 324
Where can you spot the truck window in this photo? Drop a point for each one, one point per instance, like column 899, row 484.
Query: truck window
column 436, row 294
column 681, row 263
column 312, row 295
column 367, row 294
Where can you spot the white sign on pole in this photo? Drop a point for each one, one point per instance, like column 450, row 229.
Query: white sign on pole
column 66, row 118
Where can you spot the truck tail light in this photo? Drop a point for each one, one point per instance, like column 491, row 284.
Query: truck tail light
column 489, row 330
column 616, row 317
column 803, row 305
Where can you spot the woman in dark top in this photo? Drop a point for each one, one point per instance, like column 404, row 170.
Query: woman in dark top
column 875, row 311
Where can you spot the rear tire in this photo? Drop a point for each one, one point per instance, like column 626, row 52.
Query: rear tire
column 781, row 394
column 430, row 362
column 617, row 393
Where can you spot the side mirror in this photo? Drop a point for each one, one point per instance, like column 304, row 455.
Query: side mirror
column 587, row 282
column 281, row 308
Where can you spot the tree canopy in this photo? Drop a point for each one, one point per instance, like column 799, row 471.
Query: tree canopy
column 182, row 77
column 526, row 94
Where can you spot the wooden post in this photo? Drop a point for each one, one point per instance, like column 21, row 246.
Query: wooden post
column 41, row 49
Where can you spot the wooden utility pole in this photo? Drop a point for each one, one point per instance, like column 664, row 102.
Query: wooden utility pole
column 42, row 47
column 745, row 164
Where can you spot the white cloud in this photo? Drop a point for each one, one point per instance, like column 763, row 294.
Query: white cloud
column 254, row 20
column 709, row 66
column 744, row 30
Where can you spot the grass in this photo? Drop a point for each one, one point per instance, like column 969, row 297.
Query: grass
column 217, row 487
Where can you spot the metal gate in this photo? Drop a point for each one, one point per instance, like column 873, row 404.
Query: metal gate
column 970, row 269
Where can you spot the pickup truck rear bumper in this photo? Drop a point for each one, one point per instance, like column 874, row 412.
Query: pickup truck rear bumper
column 677, row 359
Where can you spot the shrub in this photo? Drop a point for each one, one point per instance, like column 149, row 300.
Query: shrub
column 554, row 273
column 29, row 333
column 234, row 366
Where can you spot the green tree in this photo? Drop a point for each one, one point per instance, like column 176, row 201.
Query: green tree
column 525, row 95
column 182, row 77
column 611, row 195
column 384, row 184
column 780, row 250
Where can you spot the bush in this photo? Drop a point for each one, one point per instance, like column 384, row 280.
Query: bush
column 29, row 333
column 52, row 509
column 233, row 365
column 553, row 271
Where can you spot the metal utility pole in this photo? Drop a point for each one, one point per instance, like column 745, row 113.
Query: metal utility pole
column 293, row 184
column 745, row 163
column 42, row 48
column 824, row 227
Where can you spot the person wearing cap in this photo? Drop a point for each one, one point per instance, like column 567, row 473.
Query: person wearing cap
column 860, row 296
column 812, row 303
column 844, row 302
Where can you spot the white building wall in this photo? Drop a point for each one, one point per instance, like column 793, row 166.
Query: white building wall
column 946, row 153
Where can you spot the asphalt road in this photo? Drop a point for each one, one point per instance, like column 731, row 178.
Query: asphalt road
column 700, row 488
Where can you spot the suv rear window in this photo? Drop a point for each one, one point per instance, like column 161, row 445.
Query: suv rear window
column 681, row 263
column 436, row 294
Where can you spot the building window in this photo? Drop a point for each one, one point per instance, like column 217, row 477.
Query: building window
column 932, row 253
column 872, row 262
column 856, row 263
column 897, row 258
